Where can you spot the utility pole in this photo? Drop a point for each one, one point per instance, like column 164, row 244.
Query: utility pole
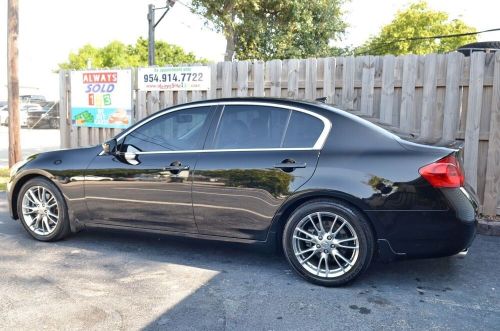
column 151, row 28
column 151, row 35
column 13, row 85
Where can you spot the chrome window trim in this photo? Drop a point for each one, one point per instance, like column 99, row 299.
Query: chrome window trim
column 327, row 126
column 228, row 150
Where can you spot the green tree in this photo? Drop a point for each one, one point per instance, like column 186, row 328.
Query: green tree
column 263, row 29
column 416, row 21
column 119, row 55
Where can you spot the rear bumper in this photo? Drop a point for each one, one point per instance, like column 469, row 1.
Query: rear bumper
column 427, row 234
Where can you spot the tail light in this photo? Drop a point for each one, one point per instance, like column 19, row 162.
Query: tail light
column 443, row 173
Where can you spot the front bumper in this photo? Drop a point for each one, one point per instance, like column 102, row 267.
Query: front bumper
column 9, row 198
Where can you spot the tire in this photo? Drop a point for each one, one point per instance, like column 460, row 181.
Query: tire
column 43, row 193
column 349, row 223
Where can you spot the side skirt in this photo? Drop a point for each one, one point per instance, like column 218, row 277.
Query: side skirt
column 104, row 225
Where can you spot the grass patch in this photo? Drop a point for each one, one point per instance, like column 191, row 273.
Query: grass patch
column 4, row 178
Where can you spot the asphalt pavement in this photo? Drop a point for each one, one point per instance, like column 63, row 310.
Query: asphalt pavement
column 32, row 141
column 112, row 280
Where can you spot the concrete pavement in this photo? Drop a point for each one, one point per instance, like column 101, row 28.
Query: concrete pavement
column 121, row 281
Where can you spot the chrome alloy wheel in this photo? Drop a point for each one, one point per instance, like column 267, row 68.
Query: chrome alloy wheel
column 325, row 244
column 40, row 210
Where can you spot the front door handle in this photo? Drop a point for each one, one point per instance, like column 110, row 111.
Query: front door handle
column 289, row 165
column 176, row 167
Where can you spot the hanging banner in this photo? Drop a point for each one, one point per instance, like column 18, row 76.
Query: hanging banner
column 195, row 78
column 101, row 98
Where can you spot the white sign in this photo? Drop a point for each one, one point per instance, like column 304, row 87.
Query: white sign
column 101, row 98
column 196, row 78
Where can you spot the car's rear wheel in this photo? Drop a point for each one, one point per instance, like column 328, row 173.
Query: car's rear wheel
column 42, row 210
column 328, row 242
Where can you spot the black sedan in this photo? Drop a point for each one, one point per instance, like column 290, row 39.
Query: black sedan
column 333, row 190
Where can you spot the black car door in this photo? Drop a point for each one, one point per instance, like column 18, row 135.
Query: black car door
column 149, row 183
column 255, row 157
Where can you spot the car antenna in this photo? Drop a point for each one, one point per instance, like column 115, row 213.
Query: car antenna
column 322, row 99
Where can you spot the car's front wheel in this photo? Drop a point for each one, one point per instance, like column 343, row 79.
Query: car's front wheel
column 42, row 210
column 328, row 242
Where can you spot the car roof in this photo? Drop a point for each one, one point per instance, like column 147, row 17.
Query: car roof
column 314, row 105
column 278, row 101
column 281, row 101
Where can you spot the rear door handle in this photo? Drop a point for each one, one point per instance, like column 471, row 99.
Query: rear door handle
column 288, row 165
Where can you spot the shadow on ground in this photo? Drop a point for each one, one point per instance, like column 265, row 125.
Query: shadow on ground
column 215, row 286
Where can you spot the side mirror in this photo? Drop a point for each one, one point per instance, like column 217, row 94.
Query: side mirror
column 109, row 147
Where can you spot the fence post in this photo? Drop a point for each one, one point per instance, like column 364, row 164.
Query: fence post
column 471, row 148
column 452, row 96
column 348, row 72
column 293, row 79
column 242, row 79
column 227, row 81
column 275, row 67
column 258, row 78
column 367, row 85
column 429, row 97
column 329, row 79
column 64, row 111
column 492, row 188
column 311, row 77
column 407, row 117
column 387, row 98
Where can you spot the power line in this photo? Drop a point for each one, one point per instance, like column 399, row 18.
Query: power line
column 455, row 35
column 451, row 35
column 185, row 5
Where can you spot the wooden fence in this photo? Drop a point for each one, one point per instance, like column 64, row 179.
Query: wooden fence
column 437, row 97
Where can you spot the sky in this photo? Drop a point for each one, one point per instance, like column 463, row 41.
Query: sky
column 51, row 29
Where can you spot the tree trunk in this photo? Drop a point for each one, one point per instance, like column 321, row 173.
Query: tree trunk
column 230, row 45
column 13, row 83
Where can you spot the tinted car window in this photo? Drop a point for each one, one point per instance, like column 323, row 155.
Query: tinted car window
column 251, row 127
column 176, row 131
column 303, row 131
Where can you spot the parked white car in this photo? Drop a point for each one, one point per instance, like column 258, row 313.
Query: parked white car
column 23, row 109
column 4, row 115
